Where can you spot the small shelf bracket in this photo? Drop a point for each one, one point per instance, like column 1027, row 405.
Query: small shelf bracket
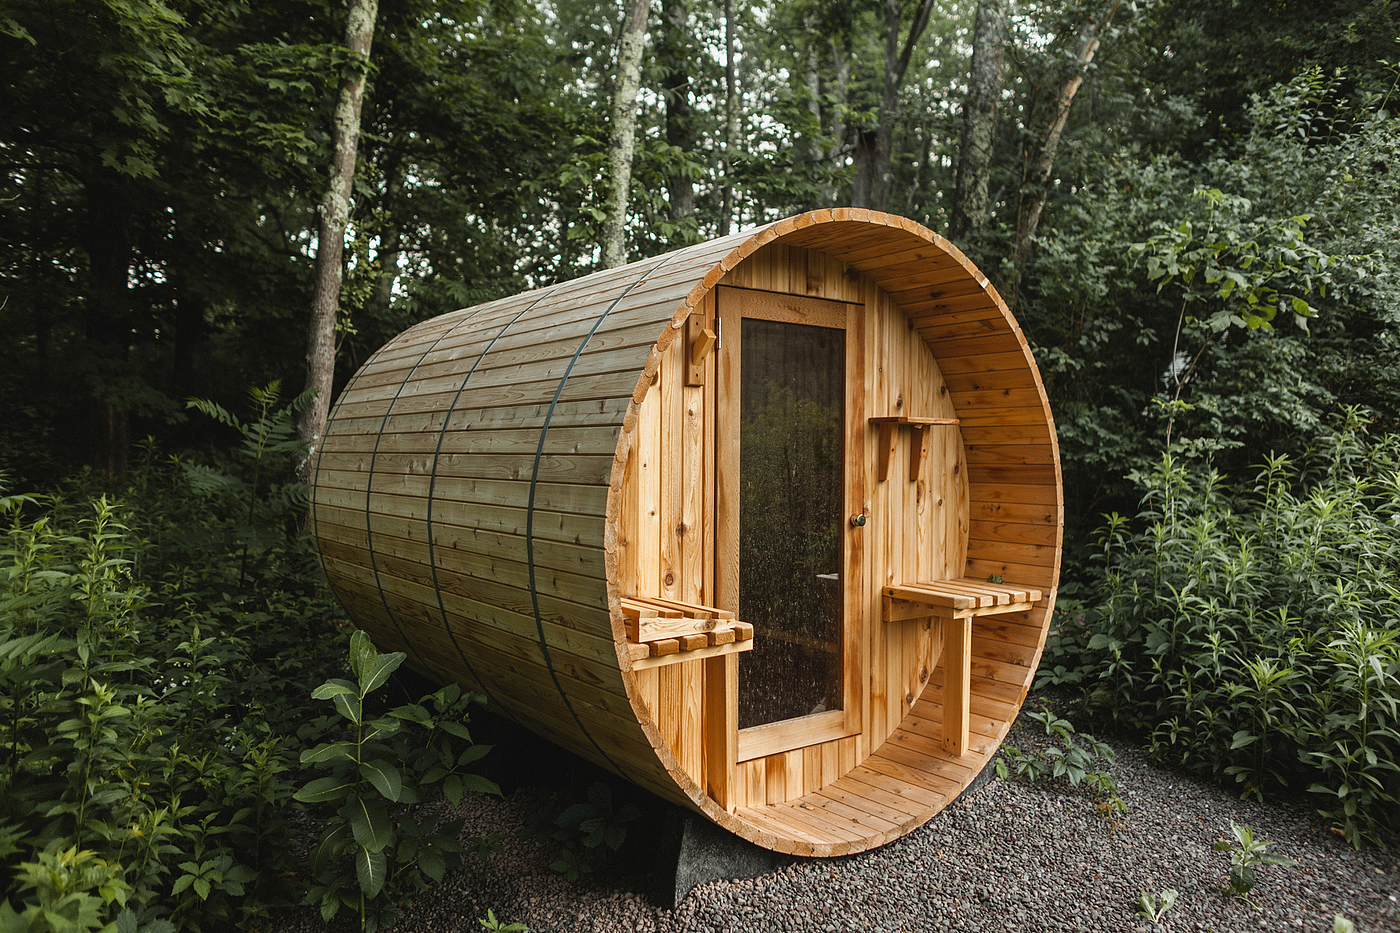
column 918, row 440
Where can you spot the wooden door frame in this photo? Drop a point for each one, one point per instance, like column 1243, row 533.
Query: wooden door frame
column 732, row 305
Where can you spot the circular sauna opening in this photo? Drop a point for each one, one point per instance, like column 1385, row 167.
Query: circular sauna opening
column 769, row 525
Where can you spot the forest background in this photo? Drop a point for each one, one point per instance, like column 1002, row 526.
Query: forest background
column 164, row 165
column 1190, row 206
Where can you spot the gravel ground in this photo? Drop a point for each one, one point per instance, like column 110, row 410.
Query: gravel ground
column 1009, row 856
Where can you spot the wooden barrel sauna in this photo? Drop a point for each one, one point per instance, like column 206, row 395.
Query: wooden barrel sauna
column 769, row 525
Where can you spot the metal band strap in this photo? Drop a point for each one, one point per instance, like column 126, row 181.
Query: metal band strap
column 432, row 486
column 320, row 449
column 530, row 515
column 369, row 495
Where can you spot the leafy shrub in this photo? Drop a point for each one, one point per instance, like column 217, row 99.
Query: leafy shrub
column 153, row 658
column 587, row 831
column 1255, row 634
column 373, row 764
column 1070, row 755
column 1246, row 855
column 128, row 744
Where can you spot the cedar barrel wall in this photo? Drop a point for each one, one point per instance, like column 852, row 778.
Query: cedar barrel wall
column 493, row 482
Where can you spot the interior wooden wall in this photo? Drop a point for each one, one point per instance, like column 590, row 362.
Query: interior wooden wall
column 916, row 530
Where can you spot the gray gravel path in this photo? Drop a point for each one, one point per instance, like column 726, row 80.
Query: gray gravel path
column 1010, row 857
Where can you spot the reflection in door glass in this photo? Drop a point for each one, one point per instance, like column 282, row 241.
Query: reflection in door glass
column 791, row 465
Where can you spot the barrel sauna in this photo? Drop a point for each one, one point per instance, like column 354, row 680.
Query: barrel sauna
column 769, row 525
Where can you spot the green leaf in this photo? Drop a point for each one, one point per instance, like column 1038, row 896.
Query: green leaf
column 324, row 790
column 348, row 705
column 377, row 670
column 362, row 653
column 370, row 823
column 480, row 784
column 384, row 776
column 334, row 688
column 372, row 870
column 331, row 844
column 333, row 751
column 433, row 863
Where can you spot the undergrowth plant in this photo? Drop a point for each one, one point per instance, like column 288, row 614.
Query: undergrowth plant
column 1247, row 854
column 371, row 853
column 156, row 655
column 1155, row 906
column 586, row 831
column 1068, row 754
column 1254, row 634
column 152, row 672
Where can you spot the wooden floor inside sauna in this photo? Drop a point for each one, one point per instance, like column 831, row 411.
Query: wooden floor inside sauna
column 901, row 784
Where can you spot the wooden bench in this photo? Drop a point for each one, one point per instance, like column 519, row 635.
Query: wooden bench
column 955, row 603
column 665, row 631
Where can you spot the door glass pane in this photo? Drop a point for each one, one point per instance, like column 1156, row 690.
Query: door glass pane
column 791, row 465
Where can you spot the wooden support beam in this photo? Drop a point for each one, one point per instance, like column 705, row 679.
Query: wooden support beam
column 701, row 340
column 721, row 728
column 919, row 443
column 888, row 439
column 957, row 681
column 918, row 449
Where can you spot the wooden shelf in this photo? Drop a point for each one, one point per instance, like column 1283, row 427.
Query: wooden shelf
column 955, row 599
column 918, row 440
column 664, row 631
column 956, row 603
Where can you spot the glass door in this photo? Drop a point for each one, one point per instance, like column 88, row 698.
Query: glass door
column 783, row 534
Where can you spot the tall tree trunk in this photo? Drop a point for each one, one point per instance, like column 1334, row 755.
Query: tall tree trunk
column 1037, row 184
column 979, row 119
column 624, row 130
column 107, row 240
column 874, row 173
column 731, row 123
column 391, row 239
column 330, row 232
column 675, row 52
column 841, row 67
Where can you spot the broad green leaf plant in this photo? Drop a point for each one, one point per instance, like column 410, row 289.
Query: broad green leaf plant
column 375, row 768
column 1254, row 633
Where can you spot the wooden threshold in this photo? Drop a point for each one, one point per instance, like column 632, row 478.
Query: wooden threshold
column 900, row 786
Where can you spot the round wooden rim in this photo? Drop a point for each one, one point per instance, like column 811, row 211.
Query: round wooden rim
column 764, row 826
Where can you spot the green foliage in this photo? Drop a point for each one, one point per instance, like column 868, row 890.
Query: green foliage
column 133, row 756
column 1255, row 634
column 269, row 447
column 1152, row 290
column 1246, row 855
column 154, row 656
column 491, row 923
column 376, row 764
column 1252, row 269
column 151, row 671
column 1155, row 906
column 587, row 831
column 1070, row 755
